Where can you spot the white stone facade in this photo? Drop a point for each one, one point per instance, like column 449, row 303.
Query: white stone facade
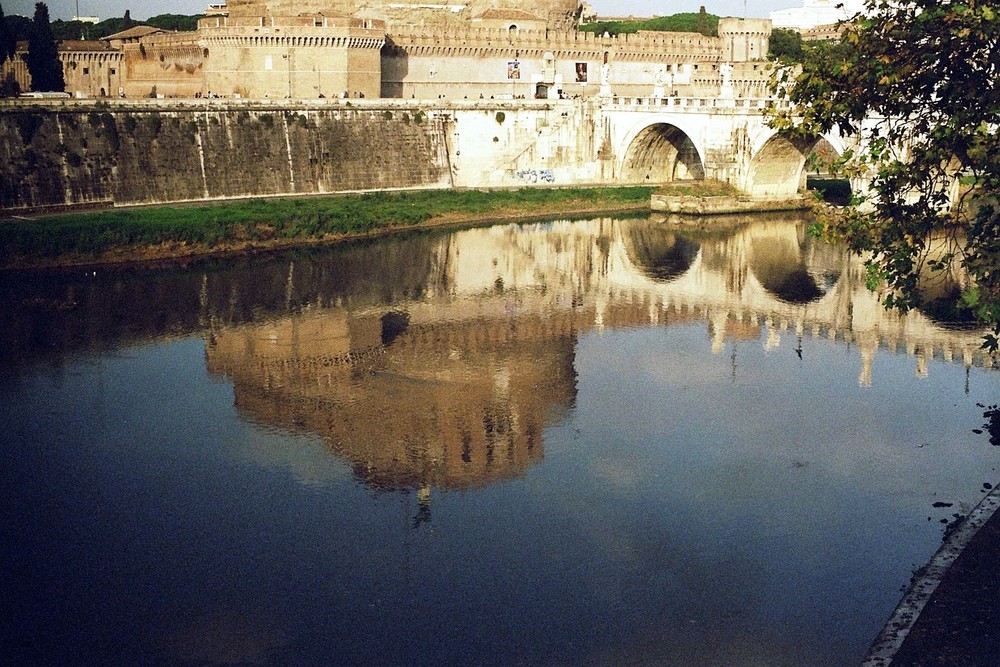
column 815, row 13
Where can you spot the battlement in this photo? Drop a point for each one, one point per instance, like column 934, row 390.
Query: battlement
column 686, row 46
column 298, row 22
column 732, row 26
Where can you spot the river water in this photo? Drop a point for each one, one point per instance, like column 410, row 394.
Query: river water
column 609, row 441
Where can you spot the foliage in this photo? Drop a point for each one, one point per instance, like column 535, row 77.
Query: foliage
column 918, row 82
column 835, row 191
column 178, row 22
column 18, row 28
column 786, row 46
column 701, row 22
column 43, row 56
column 289, row 219
column 71, row 30
column 9, row 87
column 8, row 40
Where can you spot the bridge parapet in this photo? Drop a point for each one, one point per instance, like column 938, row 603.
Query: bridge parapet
column 755, row 105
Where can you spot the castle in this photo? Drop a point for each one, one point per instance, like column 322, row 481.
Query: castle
column 454, row 49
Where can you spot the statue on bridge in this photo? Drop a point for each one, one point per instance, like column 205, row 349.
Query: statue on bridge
column 605, row 80
column 727, row 91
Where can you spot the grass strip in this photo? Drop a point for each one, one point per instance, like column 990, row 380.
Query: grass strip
column 263, row 220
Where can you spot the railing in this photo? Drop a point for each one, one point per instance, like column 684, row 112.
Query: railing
column 700, row 104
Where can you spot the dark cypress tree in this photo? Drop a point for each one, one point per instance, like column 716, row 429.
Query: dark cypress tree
column 43, row 54
column 703, row 21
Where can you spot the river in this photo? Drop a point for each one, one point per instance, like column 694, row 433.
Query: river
column 608, row 441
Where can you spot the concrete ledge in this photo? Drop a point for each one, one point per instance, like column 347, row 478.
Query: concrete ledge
column 904, row 616
column 691, row 205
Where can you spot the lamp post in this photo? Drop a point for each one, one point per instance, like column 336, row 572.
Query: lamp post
column 288, row 59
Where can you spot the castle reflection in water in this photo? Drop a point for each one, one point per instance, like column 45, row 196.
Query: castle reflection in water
column 437, row 359
column 446, row 373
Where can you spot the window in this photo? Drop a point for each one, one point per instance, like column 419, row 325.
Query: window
column 111, row 71
column 86, row 71
column 268, row 62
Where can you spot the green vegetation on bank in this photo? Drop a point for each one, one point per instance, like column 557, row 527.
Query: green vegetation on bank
column 88, row 235
column 701, row 22
column 20, row 26
column 706, row 188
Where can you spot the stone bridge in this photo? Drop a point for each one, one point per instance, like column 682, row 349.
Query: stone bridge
column 640, row 141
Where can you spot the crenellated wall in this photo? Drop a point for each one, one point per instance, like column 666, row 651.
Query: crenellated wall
column 470, row 61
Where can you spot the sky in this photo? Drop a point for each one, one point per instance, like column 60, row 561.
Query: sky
column 142, row 9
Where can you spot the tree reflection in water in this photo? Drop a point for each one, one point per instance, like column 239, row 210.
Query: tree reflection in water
column 587, row 473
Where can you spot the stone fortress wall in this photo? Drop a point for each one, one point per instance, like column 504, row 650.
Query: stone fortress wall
column 278, row 49
column 250, row 57
column 156, row 151
column 475, row 61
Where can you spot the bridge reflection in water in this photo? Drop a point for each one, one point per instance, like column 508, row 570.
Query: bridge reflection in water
column 452, row 386
column 716, row 487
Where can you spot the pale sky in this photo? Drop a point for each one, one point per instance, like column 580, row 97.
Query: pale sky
column 142, row 9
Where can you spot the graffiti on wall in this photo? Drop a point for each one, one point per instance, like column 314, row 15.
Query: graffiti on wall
column 536, row 176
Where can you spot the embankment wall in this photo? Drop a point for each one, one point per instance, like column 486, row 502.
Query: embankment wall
column 75, row 155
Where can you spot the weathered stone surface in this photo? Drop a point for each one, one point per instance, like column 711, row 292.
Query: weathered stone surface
column 73, row 157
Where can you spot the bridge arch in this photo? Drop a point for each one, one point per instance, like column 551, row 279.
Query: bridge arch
column 660, row 152
column 778, row 165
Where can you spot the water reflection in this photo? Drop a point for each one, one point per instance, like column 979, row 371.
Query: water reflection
column 454, row 404
column 452, row 380
column 740, row 277
column 671, row 458
column 660, row 253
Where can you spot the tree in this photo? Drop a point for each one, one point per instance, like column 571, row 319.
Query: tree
column 9, row 87
column 703, row 21
column 919, row 82
column 8, row 39
column 785, row 45
column 706, row 24
column 43, row 55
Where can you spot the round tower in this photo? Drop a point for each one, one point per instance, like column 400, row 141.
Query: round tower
column 559, row 14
